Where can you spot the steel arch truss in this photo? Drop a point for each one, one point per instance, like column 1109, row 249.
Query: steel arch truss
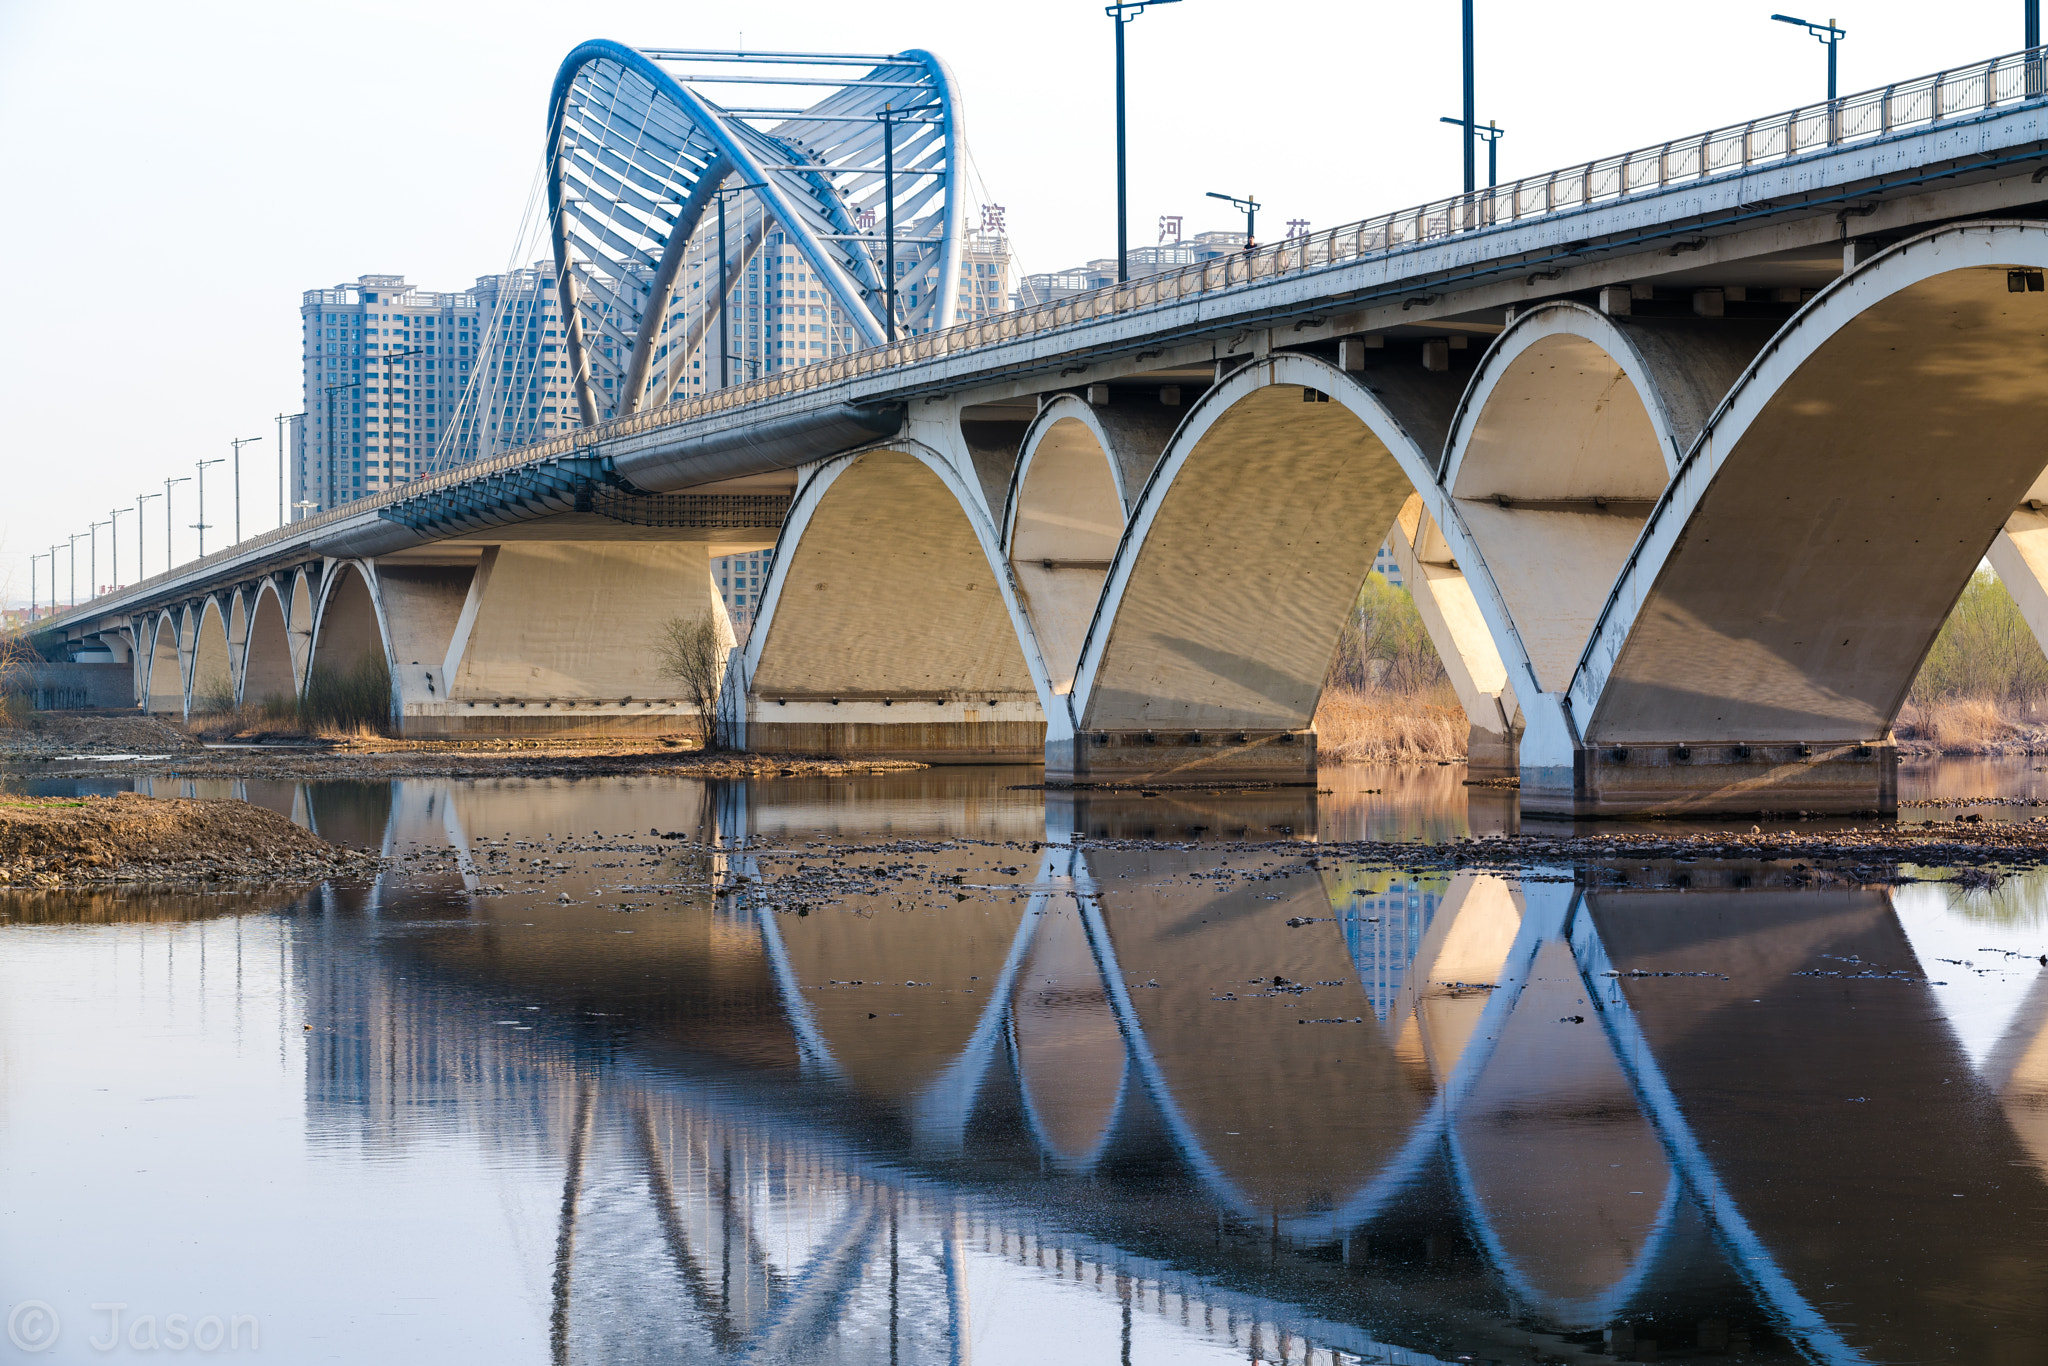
column 637, row 156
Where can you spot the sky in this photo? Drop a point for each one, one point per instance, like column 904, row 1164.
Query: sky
column 178, row 174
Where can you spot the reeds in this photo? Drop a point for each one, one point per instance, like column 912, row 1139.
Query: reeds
column 1383, row 727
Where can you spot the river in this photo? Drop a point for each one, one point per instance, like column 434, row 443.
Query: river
column 939, row 1068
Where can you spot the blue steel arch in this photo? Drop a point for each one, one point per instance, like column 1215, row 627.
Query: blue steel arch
column 636, row 155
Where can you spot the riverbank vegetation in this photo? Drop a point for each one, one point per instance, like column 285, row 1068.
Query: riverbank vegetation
column 1387, row 698
column 1985, row 681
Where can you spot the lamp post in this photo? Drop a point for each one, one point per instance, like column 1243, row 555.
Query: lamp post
column 141, row 564
column 888, row 118
column 725, row 280
column 53, row 581
column 181, row 479
column 200, row 525
column 32, row 586
column 1247, row 206
column 333, row 472
column 1492, row 133
column 238, row 443
column 281, row 420
column 1829, row 36
column 92, row 558
column 1120, row 14
column 1471, row 119
column 114, row 545
column 75, row 537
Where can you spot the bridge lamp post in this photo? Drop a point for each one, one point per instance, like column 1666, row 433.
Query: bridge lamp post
column 1247, row 206
column 725, row 280
column 239, row 442
column 1122, row 13
column 283, row 418
column 200, row 525
column 181, row 479
column 141, row 564
column 1492, row 133
column 92, row 558
column 75, row 538
column 114, row 545
column 1829, row 36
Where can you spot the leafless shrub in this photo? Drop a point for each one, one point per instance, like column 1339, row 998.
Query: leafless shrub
column 692, row 651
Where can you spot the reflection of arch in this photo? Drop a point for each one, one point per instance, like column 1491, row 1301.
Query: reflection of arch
column 164, row 684
column 267, row 670
column 1797, row 568
column 212, row 663
column 883, row 616
column 1243, row 554
column 1066, row 515
column 1569, row 431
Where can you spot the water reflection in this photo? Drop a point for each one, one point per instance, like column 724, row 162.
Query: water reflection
column 855, row 1071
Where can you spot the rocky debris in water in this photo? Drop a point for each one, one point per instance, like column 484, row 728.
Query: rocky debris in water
column 69, row 841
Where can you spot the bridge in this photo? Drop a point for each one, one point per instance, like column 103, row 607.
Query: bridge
column 1688, row 451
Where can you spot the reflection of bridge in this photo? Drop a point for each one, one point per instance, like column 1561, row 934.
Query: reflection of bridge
column 1046, row 1066
column 1689, row 452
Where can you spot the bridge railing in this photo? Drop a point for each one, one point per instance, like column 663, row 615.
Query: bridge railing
column 1866, row 116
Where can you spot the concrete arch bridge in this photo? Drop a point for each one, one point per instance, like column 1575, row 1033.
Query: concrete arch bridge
column 1687, row 453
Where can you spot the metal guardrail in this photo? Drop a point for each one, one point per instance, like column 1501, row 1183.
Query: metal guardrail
column 1864, row 117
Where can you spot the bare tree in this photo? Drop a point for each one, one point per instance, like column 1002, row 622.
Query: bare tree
column 693, row 652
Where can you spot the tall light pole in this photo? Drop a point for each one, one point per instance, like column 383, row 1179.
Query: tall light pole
column 75, row 538
column 200, row 525
column 141, row 564
column 53, row 581
column 1247, row 206
column 1830, row 38
column 1120, row 14
column 92, row 558
column 181, row 479
column 725, row 280
column 114, row 545
column 281, row 420
column 32, row 586
column 1471, row 119
column 1492, row 133
column 238, row 443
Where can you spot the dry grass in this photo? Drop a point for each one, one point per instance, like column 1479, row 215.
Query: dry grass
column 1958, row 725
column 1389, row 727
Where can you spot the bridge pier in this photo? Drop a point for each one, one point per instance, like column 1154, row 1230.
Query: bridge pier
column 1677, row 780
column 1183, row 758
column 933, row 729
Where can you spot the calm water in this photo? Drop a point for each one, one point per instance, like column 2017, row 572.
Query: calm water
column 888, row 1070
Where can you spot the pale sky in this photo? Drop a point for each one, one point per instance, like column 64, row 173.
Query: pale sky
column 178, row 173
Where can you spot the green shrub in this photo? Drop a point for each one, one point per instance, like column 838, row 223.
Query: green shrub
column 1985, row 650
column 1384, row 647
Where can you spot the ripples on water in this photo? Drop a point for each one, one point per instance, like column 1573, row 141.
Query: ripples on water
column 994, row 1097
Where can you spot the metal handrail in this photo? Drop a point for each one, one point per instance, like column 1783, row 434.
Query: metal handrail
column 1954, row 93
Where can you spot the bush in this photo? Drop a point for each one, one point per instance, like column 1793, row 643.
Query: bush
column 693, row 652
column 1383, row 647
column 354, row 701
column 1985, row 650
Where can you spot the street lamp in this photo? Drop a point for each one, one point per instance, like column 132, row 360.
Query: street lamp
column 141, row 564
column 181, row 479
column 238, row 443
column 92, row 558
column 281, row 420
column 200, row 525
column 1247, row 206
column 1492, row 133
column 53, row 581
column 725, row 274
column 1471, row 119
column 75, row 538
column 114, row 545
column 1122, row 13
column 1829, row 36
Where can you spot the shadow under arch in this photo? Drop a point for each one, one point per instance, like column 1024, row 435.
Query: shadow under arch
column 164, row 684
column 348, row 623
column 884, row 627
column 1571, row 427
column 1065, row 513
column 267, row 671
column 212, row 687
column 1796, row 570
column 1208, row 650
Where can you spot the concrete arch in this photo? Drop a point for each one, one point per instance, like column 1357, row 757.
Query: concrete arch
column 163, row 682
column 211, row 681
column 302, row 604
column 1795, row 572
column 1570, row 429
column 884, row 628
column 1065, row 514
column 348, row 623
column 267, row 666
column 1209, row 648
column 240, row 603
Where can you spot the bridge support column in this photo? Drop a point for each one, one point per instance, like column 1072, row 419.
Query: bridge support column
column 1183, row 758
column 1676, row 780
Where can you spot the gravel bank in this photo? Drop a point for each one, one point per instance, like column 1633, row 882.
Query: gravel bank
column 57, row 842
